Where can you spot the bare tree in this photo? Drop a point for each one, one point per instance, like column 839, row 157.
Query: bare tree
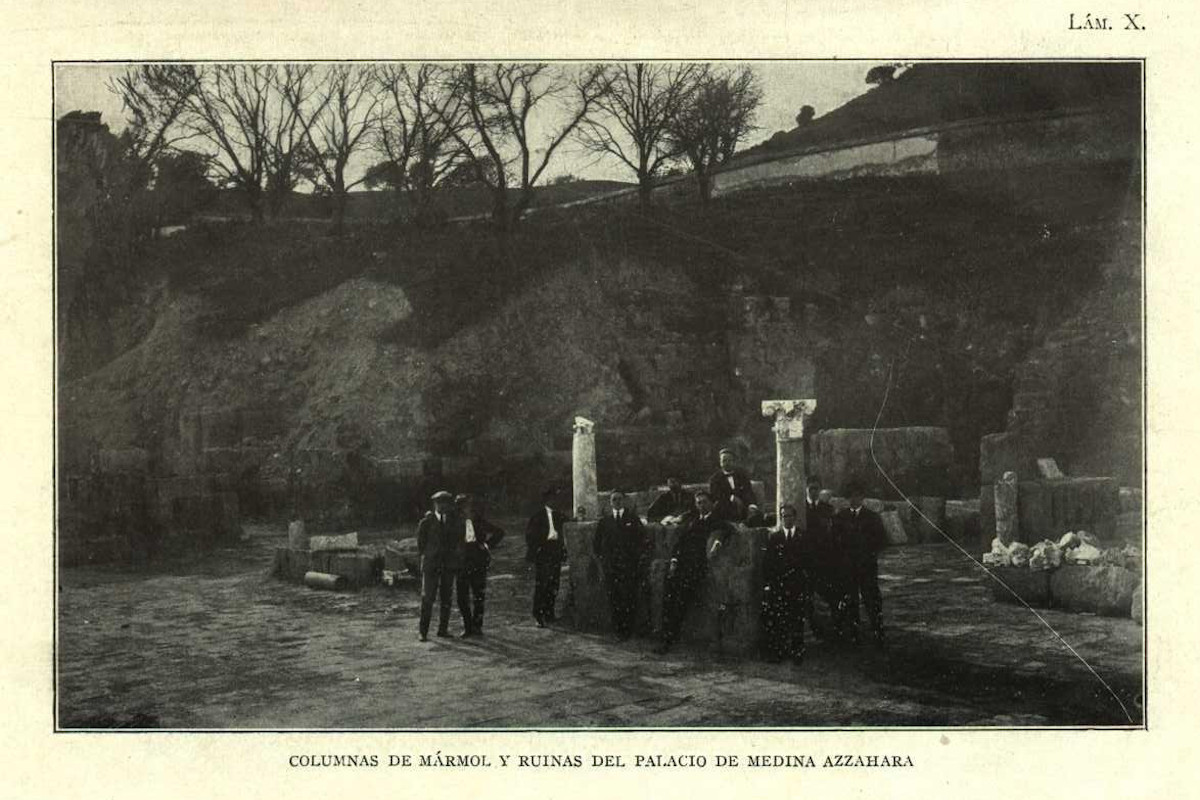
column 415, row 136
column 717, row 118
column 154, row 98
column 335, row 119
column 634, row 115
column 230, row 108
column 497, row 102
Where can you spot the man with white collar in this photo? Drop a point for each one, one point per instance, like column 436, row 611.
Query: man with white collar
column 479, row 536
column 544, row 549
column 439, row 545
column 786, row 587
column 620, row 544
column 858, row 536
column 730, row 489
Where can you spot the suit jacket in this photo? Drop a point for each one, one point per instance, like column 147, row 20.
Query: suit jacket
column 670, row 504
column 722, row 494
column 477, row 554
column 537, row 531
column 620, row 544
column 858, row 539
column 440, row 543
column 788, row 560
column 691, row 550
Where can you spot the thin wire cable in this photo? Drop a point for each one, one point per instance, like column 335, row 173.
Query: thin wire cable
column 990, row 574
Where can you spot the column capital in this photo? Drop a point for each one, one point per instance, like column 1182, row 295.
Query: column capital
column 583, row 425
column 789, row 415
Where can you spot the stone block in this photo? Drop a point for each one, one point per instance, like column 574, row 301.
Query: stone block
column 1048, row 468
column 726, row 615
column 1131, row 500
column 929, row 525
column 322, row 560
column 359, row 569
column 401, row 556
column 1103, row 590
column 297, row 537
column 894, row 528
column 291, row 564
column 1048, row 509
column 962, row 522
column 1032, row 586
column 344, row 541
column 1008, row 526
column 918, row 459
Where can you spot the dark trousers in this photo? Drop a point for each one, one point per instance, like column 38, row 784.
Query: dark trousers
column 679, row 596
column 786, row 602
column 621, row 583
column 437, row 582
column 864, row 584
column 472, row 589
column 547, row 571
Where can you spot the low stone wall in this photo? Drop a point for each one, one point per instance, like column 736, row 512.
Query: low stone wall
column 918, row 459
column 726, row 615
column 1105, row 590
column 360, row 568
column 1047, row 509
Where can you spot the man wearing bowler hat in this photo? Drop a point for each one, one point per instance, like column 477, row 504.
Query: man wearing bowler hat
column 439, row 545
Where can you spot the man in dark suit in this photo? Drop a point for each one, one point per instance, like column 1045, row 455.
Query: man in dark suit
column 439, row 545
column 786, row 588
column 730, row 489
column 544, row 549
column 858, row 536
column 818, row 523
column 674, row 502
column 479, row 537
column 688, row 567
column 620, row 544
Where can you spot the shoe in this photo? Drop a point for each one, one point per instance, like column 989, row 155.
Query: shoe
column 424, row 637
column 443, row 634
column 468, row 633
column 541, row 623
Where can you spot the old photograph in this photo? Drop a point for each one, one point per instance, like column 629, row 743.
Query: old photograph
column 492, row 395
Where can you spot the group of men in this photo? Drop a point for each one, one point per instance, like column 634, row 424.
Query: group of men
column 454, row 543
column 832, row 556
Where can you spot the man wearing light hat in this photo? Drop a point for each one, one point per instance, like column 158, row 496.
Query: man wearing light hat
column 439, row 543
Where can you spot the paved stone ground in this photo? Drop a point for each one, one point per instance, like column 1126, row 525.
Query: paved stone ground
column 216, row 643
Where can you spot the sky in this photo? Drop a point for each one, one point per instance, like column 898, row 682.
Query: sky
column 787, row 85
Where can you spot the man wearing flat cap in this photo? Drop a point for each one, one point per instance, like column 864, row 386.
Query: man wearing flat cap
column 439, row 545
column 730, row 489
column 544, row 549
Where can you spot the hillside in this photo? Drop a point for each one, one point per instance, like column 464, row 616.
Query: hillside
column 390, row 361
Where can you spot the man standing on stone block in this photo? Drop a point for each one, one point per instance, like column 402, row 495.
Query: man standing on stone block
column 620, row 544
column 671, row 504
column 544, row 549
column 786, row 588
column 688, row 567
column 730, row 489
column 479, row 536
column 858, row 536
column 439, row 545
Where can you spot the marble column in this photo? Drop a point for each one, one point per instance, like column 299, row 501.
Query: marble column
column 789, row 450
column 583, row 470
column 1008, row 529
